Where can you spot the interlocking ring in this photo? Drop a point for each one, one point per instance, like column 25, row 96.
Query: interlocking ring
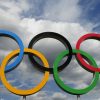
column 55, row 36
column 80, row 58
column 68, row 88
column 19, row 91
column 12, row 35
column 80, row 55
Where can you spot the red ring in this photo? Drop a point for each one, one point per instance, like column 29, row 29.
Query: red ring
column 80, row 58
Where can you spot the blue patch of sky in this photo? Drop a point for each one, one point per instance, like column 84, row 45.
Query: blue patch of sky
column 91, row 12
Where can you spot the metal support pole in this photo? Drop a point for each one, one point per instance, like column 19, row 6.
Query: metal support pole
column 24, row 97
column 78, row 97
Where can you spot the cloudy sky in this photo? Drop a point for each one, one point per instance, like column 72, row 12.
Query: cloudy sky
column 70, row 18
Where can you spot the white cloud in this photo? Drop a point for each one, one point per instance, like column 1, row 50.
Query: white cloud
column 72, row 31
column 59, row 96
column 43, row 96
column 63, row 10
column 12, row 9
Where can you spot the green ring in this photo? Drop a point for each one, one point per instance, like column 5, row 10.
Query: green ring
column 68, row 88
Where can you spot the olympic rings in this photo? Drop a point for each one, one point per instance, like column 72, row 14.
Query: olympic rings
column 79, row 57
column 67, row 88
column 55, row 36
column 24, row 92
column 18, row 40
column 45, row 68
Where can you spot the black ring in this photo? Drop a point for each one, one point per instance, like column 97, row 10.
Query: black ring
column 55, row 36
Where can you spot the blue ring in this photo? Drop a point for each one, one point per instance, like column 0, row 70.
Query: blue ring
column 12, row 35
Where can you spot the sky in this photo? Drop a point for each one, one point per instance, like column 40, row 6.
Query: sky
column 70, row 18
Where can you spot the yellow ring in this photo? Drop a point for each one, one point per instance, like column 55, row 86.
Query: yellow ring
column 19, row 91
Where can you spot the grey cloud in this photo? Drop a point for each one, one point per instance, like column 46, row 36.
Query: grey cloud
column 27, row 28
